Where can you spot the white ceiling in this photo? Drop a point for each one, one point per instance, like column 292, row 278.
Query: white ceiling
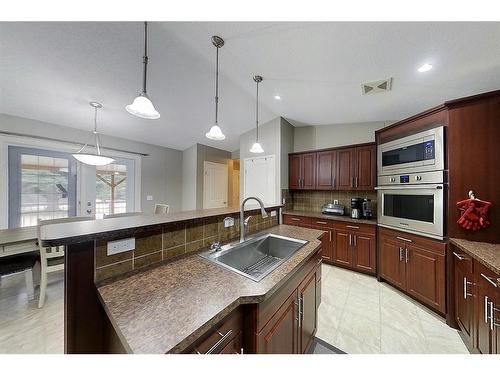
column 49, row 71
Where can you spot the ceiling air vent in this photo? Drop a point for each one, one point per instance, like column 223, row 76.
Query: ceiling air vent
column 377, row 86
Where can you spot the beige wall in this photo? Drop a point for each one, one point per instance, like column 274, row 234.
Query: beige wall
column 189, row 176
column 325, row 136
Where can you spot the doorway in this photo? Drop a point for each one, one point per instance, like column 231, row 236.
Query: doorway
column 215, row 185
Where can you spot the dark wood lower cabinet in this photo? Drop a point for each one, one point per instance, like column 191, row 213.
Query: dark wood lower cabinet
column 354, row 248
column 487, row 307
column 308, row 314
column 415, row 265
column 463, row 298
column 342, row 253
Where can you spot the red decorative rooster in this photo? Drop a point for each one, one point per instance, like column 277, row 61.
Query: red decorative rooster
column 474, row 213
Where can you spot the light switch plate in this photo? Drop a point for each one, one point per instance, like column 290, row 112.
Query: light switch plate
column 273, row 213
column 149, row 197
column 228, row 222
column 120, row 246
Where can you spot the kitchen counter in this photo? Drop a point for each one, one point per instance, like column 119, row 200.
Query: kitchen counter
column 487, row 254
column 319, row 215
column 74, row 232
column 166, row 308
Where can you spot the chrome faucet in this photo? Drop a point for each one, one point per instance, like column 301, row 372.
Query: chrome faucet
column 243, row 221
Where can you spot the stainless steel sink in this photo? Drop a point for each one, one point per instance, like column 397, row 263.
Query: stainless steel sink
column 257, row 257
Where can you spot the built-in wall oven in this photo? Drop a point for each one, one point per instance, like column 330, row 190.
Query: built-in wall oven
column 419, row 152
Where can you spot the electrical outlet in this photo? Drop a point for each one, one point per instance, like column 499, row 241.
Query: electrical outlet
column 228, row 222
column 120, row 246
column 335, row 201
column 149, row 197
column 273, row 213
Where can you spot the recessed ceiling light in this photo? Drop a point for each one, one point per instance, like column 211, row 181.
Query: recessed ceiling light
column 425, row 68
column 277, row 97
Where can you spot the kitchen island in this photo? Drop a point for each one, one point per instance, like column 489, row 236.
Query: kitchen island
column 161, row 297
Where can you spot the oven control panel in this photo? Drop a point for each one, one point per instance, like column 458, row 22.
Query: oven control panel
column 436, row 177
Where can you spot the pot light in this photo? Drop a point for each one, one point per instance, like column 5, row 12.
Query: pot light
column 277, row 97
column 425, row 68
column 142, row 105
column 215, row 132
column 256, row 147
column 93, row 158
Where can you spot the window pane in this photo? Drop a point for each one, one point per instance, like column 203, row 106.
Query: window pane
column 111, row 189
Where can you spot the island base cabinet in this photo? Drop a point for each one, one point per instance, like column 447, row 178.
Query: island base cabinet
column 415, row 265
column 487, row 319
column 463, row 298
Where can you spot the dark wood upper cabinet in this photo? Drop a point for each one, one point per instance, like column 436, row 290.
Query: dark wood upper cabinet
column 294, row 172
column 366, row 164
column 345, row 168
column 326, row 170
column 308, row 174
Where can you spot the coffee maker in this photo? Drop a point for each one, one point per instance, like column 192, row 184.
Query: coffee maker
column 356, row 208
column 367, row 209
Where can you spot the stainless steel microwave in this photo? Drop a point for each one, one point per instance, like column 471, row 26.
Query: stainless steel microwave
column 419, row 152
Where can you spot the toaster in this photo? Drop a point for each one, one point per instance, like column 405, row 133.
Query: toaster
column 333, row 209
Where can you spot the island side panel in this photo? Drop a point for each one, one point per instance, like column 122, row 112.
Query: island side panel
column 84, row 317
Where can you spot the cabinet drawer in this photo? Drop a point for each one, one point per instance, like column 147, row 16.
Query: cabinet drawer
column 296, row 220
column 355, row 227
column 321, row 222
column 215, row 341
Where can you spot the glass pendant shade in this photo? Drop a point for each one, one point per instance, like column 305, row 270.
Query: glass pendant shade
column 143, row 107
column 215, row 133
column 93, row 159
column 256, row 148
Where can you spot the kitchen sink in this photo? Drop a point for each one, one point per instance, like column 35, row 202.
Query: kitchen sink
column 256, row 257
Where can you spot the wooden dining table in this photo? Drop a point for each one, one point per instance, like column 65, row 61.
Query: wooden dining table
column 17, row 241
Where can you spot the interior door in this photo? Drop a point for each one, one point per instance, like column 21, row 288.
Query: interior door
column 345, row 169
column 259, row 179
column 366, row 175
column 215, row 185
column 342, row 249
column 308, row 317
column 392, row 263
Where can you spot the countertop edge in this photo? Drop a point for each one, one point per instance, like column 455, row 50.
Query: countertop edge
column 457, row 242
column 319, row 215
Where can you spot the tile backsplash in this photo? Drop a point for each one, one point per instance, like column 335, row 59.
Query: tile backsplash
column 172, row 240
column 313, row 200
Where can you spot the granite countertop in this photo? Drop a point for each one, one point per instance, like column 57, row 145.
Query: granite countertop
column 319, row 215
column 73, row 232
column 168, row 307
column 486, row 253
column 15, row 235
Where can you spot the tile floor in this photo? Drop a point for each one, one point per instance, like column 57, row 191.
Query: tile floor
column 24, row 328
column 359, row 315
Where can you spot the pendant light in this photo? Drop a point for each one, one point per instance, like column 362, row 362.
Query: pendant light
column 93, row 158
column 256, row 147
column 142, row 105
column 215, row 132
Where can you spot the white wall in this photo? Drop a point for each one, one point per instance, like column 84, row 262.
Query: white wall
column 189, row 175
column 286, row 145
column 325, row 136
column 161, row 169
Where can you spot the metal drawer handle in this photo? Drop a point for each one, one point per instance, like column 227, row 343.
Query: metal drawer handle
column 352, row 226
column 295, row 219
column 221, row 340
column 404, row 239
column 460, row 257
column 400, row 254
column 321, row 222
column 489, row 279
column 465, row 288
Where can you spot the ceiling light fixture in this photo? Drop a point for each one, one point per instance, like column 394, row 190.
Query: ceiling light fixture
column 142, row 105
column 91, row 158
column 256, row 147
column 215, row 132
column 425, row 68
column 277, row 97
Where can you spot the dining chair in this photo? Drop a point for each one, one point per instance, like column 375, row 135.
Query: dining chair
column 161, row 208
column 123, row 214
column 52, row 258
column 14, row 264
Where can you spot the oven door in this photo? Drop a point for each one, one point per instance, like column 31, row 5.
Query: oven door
column 413, row 208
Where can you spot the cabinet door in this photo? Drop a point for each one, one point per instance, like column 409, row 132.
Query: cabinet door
column 308, row 171
column 425, row 279
column 308, row 312
column 342, row 249
column 327, row 242
column 326, row 170
column 366, row 168
column 279, row 336
column 392, row 263
column 485, row 305
column 294, row 172
column 364, row 252
column 345, row 169
column 463, row 298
